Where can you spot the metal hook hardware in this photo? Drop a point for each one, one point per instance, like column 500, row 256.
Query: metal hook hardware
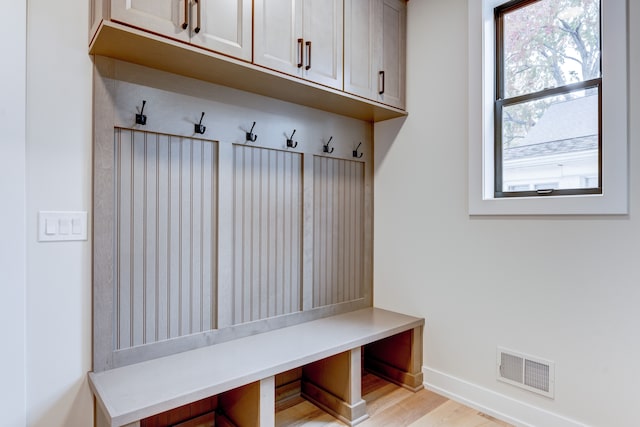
column 198, row 128
column 355, row 152
column 251, row 137
column 290, row 142
column 141, row 119
column 325, row 148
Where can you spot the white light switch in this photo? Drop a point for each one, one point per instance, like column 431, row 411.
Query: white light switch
column 76, row 226
column 51, row 227
column 62, row 226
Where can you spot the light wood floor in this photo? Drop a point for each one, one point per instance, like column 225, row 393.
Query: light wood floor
column 389, row 405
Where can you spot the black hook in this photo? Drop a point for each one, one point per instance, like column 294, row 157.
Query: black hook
column 198, row 128
column 355, row 152
column 141, row 119
column 250, row 136
column 325, row 148
column 290, row 142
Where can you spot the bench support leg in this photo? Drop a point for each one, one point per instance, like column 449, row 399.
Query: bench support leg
column 268, row 402
column 397, row 359
column 334, row 384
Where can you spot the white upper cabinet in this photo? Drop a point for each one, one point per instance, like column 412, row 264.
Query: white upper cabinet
column 361, row 36
column 223, row 26
column 301, row 37
column 277, row 34
column 394, row 40
column 323, row 38
column 166, row 17
column 375, row 50
column 342, row 56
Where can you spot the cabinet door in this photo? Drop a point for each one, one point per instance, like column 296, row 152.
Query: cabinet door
column 362, row 36
column 223, row 26
column 394, row 22
column 277, row 31
column 323, row 37
column 166, row 17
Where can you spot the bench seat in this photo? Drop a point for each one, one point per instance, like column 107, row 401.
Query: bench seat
column 329, row 346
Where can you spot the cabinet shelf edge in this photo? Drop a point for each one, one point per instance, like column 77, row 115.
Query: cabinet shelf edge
column 121, row 42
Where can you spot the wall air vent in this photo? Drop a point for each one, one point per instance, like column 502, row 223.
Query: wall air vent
column 528, row 372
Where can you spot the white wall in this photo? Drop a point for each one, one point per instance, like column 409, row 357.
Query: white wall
column 58, row 157
column 12, row 200
column 561, row 288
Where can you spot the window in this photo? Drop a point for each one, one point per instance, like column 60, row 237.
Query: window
column 548, row 110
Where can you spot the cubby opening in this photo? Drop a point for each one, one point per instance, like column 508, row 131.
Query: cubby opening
column 291, row 407
column 194, row 414
column 237, row 407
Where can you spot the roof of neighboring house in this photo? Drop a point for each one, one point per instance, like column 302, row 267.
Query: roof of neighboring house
column 565, row 127
column 552, row 147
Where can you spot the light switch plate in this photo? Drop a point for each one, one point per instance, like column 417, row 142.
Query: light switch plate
column 62, row 226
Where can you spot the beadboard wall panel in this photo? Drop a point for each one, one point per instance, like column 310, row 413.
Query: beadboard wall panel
column 260, row 239
column 338, row 231
column 166, row 245
column 267, row 213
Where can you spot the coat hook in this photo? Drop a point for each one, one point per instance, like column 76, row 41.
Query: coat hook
column 325, row 148
column 290, row 142
column 355, row 152
column 198, row 128
column 250, row 135
column 141, row 119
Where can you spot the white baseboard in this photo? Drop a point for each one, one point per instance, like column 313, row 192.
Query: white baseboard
column 497, row 405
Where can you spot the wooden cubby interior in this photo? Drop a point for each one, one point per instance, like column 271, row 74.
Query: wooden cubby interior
column 333, row 384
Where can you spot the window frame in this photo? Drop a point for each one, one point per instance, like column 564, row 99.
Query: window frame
column 502, row 101
column 613, row 127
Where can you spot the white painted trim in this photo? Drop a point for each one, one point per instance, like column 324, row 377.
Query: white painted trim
column 615, row 176
column 13, row 252
column 497, row 405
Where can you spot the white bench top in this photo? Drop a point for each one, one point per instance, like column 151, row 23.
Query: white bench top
column 134, row 392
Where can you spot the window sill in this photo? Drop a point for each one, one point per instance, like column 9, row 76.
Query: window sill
column 551, row 205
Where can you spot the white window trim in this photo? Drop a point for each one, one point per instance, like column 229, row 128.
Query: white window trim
column 615, row 191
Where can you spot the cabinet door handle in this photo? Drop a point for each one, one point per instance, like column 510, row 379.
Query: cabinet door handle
column 300, row 53
column 308, row 67
column 381, row 82
column 185, row 24
column 197, row 28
